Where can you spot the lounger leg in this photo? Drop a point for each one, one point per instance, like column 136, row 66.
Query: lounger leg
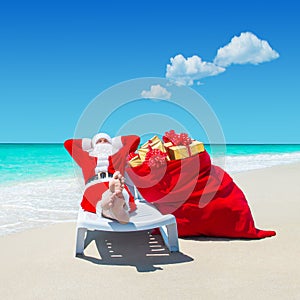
column 170, row 236
column 80, row 237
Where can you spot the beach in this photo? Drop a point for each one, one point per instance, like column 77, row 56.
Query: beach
column 39, row 263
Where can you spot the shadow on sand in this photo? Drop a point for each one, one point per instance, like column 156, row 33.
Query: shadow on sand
column 217, row 239
column 139, row 249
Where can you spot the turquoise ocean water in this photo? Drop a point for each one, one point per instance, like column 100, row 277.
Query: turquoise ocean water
column 39, row 185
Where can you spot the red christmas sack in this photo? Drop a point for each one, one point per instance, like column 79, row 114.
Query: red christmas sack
column 203, row 197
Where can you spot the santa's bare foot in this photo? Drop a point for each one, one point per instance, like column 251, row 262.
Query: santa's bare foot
column 116, row 184
column 116, row 208
column 107, row 200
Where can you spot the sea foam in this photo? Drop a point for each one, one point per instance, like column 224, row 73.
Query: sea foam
column 30, row 204
column 242, row 163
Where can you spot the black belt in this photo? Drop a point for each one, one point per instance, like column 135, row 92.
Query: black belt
column 100, row 175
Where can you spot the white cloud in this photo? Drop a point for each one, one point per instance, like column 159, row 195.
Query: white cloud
column 157, row 92
column 184, row 71
column 246, row 48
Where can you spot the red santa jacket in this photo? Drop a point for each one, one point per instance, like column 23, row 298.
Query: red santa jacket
column 78, row 149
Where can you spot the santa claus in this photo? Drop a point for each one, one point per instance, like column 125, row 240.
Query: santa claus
column 102, row 160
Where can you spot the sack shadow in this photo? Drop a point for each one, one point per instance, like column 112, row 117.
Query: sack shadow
column 216, row 239
column 139, row 249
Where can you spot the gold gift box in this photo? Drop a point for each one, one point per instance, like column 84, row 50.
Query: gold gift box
column 135, row 161
column 156, row 143
column 180, row 152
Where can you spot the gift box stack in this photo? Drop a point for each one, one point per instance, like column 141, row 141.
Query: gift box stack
column 180, row 146
column 174, row 146
column 153, row 153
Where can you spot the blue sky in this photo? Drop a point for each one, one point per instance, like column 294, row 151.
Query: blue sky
column 56, row 57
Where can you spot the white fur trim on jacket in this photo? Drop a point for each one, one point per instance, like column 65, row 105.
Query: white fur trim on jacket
column 86, row 144
column 116, row 144
column 99, row 136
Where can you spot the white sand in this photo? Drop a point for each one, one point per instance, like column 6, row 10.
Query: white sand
column 40, row 263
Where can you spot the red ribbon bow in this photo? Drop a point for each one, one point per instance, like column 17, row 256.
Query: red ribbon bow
column 155, row 158
column 177, row 139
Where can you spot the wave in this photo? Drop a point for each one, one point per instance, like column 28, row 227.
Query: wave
column 241, row 163
column 29, row 204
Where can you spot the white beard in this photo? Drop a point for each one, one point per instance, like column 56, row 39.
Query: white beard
column 102, row 152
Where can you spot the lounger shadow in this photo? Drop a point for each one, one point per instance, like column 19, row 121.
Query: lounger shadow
column 138, row 249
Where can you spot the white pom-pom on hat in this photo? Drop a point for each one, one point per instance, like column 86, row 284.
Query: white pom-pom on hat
column 99, row 136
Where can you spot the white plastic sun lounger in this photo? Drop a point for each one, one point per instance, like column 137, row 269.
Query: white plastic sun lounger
column 145, row 217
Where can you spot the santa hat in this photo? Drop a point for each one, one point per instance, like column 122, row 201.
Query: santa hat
column 99, row 136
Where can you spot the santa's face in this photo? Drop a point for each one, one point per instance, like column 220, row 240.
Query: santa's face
column 102, row 149
column 102, row 141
